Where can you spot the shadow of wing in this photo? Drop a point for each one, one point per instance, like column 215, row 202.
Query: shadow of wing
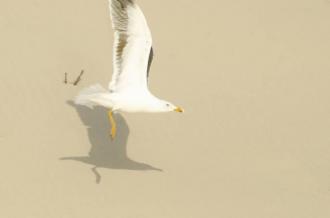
column 106, row 153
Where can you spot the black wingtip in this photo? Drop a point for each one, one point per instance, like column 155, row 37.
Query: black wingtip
column 151, row 56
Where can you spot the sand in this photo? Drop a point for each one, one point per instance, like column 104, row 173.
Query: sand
column 253, row 77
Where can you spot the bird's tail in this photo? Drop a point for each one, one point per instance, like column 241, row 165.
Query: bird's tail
column 92, row 96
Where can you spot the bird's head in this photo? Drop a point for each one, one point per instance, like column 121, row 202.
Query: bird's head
column 169, row 107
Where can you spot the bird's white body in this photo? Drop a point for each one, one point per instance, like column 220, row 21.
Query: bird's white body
column 132, row 55
column 127, row 101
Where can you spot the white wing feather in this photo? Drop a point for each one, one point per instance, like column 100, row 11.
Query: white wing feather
column 132, row 46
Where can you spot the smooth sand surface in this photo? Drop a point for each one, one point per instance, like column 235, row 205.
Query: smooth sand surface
column 253, row 77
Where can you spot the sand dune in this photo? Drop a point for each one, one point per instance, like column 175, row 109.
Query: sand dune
column 253, row 77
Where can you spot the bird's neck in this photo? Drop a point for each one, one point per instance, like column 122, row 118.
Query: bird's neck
column 154, row 104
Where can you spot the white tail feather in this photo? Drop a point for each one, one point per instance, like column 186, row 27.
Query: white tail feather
column 88, row 95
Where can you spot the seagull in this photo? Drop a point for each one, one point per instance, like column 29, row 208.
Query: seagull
column 132, row 57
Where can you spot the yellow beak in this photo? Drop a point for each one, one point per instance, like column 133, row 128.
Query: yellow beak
column 178, row 109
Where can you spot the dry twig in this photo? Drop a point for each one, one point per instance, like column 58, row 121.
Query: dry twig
column 78, row 78
column 75, row 83
column 66, row 78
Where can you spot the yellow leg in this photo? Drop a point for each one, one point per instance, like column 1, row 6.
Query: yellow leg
column 113, row 125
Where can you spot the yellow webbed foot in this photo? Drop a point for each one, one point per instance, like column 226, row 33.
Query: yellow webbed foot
column 113, row 132
column 113, row 125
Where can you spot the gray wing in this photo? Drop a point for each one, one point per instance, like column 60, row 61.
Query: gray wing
column 132, row 46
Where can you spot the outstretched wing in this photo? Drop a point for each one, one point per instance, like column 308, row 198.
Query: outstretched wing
column 132, row 46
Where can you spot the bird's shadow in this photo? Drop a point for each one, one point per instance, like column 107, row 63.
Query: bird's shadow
column 106, row 153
